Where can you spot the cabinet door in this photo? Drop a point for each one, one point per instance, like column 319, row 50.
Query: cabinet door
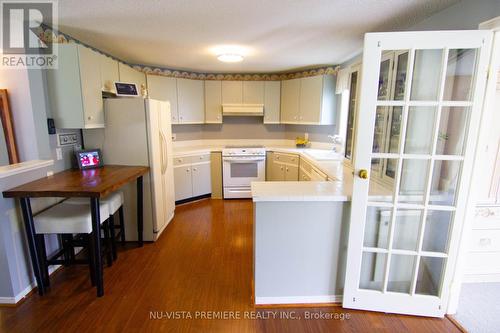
column 232, row 92
column 183, row 183
column 277, row 172
column 311, row 92
column 130, row 75
column 90, row 76
column 253, row 92
column 303, row 176
column 272, row 97
column 213, row 102
column 201, row 179
column 191, row 101
column 291, row 173
column 109, row 73
column 64, row 89
column 164, row 89
column 290, row 90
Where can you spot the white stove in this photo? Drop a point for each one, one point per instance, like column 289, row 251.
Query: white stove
column 242, row 166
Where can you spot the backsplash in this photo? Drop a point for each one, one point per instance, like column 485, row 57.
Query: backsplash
column 251, row 128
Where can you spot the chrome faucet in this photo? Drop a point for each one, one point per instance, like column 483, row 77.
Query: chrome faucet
column 337, row 140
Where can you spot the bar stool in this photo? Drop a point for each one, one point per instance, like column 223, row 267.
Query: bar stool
column 63, row 219
column 114, row 201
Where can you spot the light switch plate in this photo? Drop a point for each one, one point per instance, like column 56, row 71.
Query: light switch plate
column 66, row 139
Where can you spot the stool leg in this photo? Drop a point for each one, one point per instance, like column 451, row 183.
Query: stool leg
column 90, row 259
column 109, row 255
column 43, row 259
column 71, row 249
column 122, row 225
column 67, row 249
column 111, row 225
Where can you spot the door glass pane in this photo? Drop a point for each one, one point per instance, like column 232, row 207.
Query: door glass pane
column 413, row 181
column 394, row 130
column 426, row 75
column 444, row 182
column 350, row 114
column 429, row 277
column 372, row 270
column 406, row 229
column 400, row 79
column 377, row 227
column 437, row 229
column 381, row 189
column 452, row 130
column 383, row 80
column 400, row 273
column 459, row 73
column 244, row 170
column 379, row 129
column 419, row 130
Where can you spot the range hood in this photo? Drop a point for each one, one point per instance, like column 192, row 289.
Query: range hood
column 243, row 109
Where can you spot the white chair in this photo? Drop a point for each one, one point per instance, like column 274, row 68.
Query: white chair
column 114, row 201
column 63, row 219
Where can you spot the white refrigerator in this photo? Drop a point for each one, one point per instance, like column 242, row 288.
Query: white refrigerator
column 138, row 132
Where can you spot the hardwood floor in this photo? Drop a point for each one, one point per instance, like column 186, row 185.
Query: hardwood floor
column 202, row 262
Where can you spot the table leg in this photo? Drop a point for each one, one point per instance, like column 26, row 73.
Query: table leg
column 96, row 244
column 140, row 204
column 32, row 243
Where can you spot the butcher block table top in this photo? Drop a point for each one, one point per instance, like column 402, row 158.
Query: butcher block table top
column 94, row 183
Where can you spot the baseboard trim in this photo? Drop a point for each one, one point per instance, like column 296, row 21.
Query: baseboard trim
column 14, row 301
column 326, row 300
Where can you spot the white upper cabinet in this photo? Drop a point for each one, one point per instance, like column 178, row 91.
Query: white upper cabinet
column 290, row 92
column 213, row 101
column 232, row 92
column 309, row 100
column 272, row 92
column 164, row 89
column 109, row 73
column 75, row 88
column 253, row 92
column 191, row 101
column 130, row 75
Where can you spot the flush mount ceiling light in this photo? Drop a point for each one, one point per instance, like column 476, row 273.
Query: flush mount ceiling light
column 230, row 53
column 230, row 57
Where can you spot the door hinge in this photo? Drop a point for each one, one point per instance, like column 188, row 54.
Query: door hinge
column 354, row 299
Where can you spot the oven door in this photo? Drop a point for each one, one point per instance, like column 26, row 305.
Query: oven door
column 241, row 171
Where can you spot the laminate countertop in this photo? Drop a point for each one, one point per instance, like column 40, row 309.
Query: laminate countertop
column 338, row 188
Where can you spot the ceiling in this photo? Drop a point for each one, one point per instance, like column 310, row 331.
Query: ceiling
column 277, row 35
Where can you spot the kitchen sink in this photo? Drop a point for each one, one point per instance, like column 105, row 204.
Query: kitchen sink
column 324, row 155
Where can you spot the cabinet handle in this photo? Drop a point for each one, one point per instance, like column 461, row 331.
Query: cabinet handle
column 187, row 170
column 485, row 241
column 277, row 157
column 194, row 169
column 286, row 169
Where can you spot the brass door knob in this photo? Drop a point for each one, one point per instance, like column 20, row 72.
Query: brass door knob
column 363, row 174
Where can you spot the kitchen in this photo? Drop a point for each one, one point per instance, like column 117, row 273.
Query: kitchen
column 262, row 164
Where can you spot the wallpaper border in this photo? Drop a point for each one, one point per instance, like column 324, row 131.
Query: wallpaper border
column 49, row 35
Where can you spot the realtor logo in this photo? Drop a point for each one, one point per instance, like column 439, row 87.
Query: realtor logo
column 23, row 24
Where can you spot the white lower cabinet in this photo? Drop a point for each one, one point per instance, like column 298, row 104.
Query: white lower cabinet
column 283, row 167
column 483, row 259
column 192, row 176
column 201, row 179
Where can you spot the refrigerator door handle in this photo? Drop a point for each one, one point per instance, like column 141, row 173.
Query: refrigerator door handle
column 164, row 160
column 161, row 149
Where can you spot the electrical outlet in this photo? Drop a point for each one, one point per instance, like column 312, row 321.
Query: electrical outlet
column 66, row 139
column 59, row 154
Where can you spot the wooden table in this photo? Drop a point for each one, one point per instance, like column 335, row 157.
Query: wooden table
column 93, row 184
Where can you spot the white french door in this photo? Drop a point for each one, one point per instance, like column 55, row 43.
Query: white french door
column 403, row 238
